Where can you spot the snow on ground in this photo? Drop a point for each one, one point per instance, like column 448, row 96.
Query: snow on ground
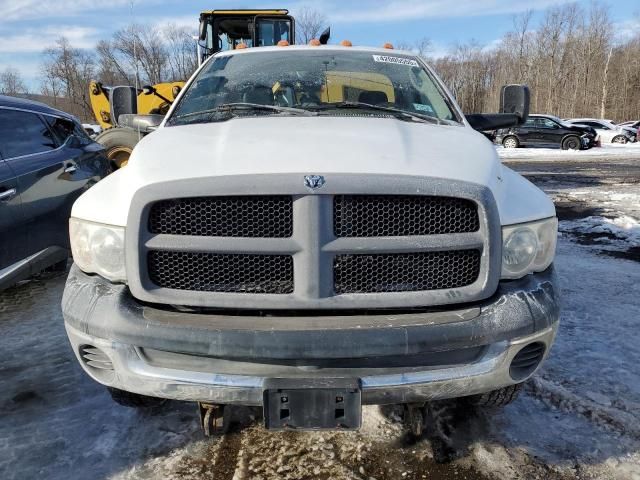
column 620, row 232
column 606, row 215
column 629, row 150
column 581, row 412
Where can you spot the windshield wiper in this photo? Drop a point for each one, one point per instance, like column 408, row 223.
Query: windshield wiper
column 260, row 106
column 398, row 112
column 209, row 114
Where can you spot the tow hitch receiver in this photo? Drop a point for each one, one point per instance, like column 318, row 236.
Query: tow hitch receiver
column 304, row 404
column 211, row 418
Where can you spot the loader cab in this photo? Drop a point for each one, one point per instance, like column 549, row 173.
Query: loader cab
column 226, row 29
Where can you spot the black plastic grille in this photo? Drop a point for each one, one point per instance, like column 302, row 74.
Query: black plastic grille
column 238, row 216
column 402, row 215
column 212, row 272
column 405, row 272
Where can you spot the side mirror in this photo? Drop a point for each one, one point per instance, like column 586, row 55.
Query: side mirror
column 143, row 123
column 148, row 90
column 325, row 36
column 515, row 99
column 73, row 141
column 514, row 110
column 202, row 30
column 122, row 100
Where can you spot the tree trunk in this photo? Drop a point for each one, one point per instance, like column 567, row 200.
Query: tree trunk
column 604, row 84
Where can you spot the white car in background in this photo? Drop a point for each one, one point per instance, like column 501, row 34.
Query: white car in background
column 91, row 129
column 634, row 125
column 608, row 131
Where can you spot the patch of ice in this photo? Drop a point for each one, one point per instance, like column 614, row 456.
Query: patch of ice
column 625, row 228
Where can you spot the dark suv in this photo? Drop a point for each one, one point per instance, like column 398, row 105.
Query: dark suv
column 547, row 131
column 46, row 162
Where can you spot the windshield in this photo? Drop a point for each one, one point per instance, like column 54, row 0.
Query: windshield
column 559, row 121
column 313, row 81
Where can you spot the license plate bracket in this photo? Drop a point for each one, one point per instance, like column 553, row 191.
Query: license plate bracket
column 310, row 404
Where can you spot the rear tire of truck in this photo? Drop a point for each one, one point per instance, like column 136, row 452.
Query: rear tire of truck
column 497, row 398
column 619, row 139
column 510, row 142
column 572, row 142
column 134, row 400
column 119, row 143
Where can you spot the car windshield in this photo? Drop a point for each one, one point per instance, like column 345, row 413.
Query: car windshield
column 306, row 82
column 559, row 121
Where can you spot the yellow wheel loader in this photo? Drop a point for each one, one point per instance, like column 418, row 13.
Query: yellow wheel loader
column 126, row 114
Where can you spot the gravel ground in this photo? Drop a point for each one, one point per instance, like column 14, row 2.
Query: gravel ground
column 579, row 418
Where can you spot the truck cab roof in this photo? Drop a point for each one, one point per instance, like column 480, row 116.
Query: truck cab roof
column 298, row 48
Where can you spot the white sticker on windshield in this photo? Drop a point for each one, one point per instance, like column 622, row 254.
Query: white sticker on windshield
column 397, row 60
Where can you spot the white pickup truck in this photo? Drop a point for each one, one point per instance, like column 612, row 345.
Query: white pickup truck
column 309, row 230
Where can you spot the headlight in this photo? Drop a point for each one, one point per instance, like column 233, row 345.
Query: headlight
column 98, row 248
column 528, row 247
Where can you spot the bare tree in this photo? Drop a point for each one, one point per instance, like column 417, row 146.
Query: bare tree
column 605, row 76
column 11, row 82
column 521, row 26
column 112, row 69
column 309, row 24
column 67, row 72
column 571, row 60
column 155, row 53
column 182, row 54
column 421, row 47
column 466, row 71
column 144, row 47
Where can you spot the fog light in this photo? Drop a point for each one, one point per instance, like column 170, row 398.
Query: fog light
column 526, row 361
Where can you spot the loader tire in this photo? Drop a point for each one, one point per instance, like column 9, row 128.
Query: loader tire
column 497, row 398
column 134, row 400
column 119, row 143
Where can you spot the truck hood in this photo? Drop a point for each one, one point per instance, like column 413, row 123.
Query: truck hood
column 308, row 145
column 315, row 145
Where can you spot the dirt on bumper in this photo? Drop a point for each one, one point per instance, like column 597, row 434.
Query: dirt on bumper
column 226, row 358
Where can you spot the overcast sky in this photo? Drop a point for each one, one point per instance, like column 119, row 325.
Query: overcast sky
column 29, row 26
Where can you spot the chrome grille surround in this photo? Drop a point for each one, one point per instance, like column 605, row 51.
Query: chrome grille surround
column 313, row 244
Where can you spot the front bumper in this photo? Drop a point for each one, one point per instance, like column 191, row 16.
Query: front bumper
column 226, row 358
column 588, row 141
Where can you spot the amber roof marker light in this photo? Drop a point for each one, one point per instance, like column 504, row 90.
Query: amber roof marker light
column 346, row 43
column 388, row 46
column 241, row 46
column 283, row 43
column 315, row 42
